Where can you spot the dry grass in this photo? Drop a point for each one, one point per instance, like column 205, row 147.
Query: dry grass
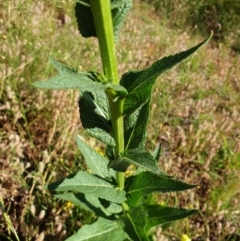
column 195, row 115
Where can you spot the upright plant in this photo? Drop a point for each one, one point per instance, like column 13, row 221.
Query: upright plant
column 116, row 112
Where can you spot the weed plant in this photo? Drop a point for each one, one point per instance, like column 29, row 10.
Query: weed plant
column 196, row 120
column 116, row 113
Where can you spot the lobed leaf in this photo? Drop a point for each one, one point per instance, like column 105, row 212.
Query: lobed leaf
column 101, row 230
column 89, row 184
column 144, row 183
column 96, row 162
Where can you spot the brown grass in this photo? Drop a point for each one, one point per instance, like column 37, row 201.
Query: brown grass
column 195, row 115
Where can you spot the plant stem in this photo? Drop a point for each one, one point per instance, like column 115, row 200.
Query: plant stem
column 103, row 23
column 117, row 129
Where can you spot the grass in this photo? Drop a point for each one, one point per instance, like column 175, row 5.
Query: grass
column 195, row 115
column 203, row 16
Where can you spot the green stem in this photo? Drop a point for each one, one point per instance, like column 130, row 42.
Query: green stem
column 103, row 23
column 101, row 10
column 117, row 129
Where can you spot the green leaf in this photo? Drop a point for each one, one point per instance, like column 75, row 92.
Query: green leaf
column 135, row 127
column 108, row 208
column 120, row 8
column 101, row 230
column 70, row 78
column 82, row 81
column 139, row 84
column 144, row 183
column 80, row 199
column 118, row 3
column 83, row 13
column 96, row 162
column 157, row 152
column 120, row 91
column 114, row 208
column 91, row 203
column 94, row 114
column 136, row 223
column 89, row 184
column 138, row 157
column 159, row 215
column 62, row 68
column 85, row 20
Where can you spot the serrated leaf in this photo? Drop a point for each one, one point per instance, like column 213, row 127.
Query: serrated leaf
column 86, row 27
column 159, row 215
column 135, row 127
column 70, row 78
column 85, row 19
column 139, row 158
column 62, row 68
column 119, row 12
column 119, row 3
column 139, row 84
column 144, row 183
column 96, row 162
column 101, row 230
column 135, row 228
column 94, row 115
column 82, row 81
column 89, row 184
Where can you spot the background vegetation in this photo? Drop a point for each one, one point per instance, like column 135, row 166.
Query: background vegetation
column 195, row 112
column 221, row 16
